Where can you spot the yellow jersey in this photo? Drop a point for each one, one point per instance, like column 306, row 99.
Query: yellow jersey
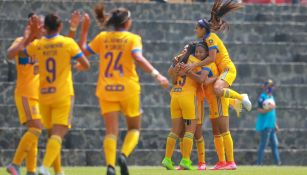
column 118, row 78
column 27, row 82
column 222, row 56
column 184, row 84
column 213, row 71
column 54, row 54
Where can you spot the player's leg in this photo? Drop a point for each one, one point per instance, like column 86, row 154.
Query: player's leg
column 221, row 87
column 224, row 130
column 176, row 131
column 199, row 139
column 200, row 144
column 61, row 118
column 57, row 164
column 29, row 115
column 131, row 107
column 188, row 104
column 274, row 146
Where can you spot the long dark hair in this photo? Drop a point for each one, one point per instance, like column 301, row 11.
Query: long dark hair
column 220, row 9
column 116, row 17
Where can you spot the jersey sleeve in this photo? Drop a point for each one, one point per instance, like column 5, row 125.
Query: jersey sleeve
column 212, row 43
column 94, row 46
column 75, row 50
column 208, row 68
column 136, row 45
column 30, row 49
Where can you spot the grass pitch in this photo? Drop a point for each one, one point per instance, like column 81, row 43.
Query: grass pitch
column 146, row 170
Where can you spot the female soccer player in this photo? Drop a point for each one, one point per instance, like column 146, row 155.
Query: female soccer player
column 54, row 53
column 218, row 116
column 26, row 99
column 118, row 87
column 218, row 52
column 26, row 93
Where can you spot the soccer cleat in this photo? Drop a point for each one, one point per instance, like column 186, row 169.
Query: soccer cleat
column 202, row 166
column 31, row 173
column 237, row 107
column 186, row 164
column 110, row 170
column 247, row 104
column 43, row 171
column 230, row 166
column 122, row 162
column 219, row 166
column 13, row 169
column 179, row 168
column 168, row 163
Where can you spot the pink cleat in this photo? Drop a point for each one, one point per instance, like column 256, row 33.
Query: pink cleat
column 202, row 166
column 230, row 166
column 219, row 166
column 179, row 168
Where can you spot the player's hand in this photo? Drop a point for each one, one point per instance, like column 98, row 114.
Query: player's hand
column 86, row 23
column 75, row 19
column 34, row 27
column 79, row 67
column 190, row 67
column 162, row 80
column 210, row 80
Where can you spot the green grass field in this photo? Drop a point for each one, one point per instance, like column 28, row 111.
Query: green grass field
column 137, row 170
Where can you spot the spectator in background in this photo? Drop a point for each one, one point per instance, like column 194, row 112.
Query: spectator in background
column 266, row 123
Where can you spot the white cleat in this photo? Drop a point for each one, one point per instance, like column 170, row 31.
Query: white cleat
column 246, row 102
column 43, row 171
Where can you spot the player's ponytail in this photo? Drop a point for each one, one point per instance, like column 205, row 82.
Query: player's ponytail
column 219, row 10
column 115, row 18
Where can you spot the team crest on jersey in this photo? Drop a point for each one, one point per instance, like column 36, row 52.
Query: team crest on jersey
column 211, row 41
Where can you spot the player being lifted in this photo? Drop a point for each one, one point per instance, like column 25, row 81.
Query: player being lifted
column 118, row 87
column 26, row 98
column 217, row 51
column 54, row 53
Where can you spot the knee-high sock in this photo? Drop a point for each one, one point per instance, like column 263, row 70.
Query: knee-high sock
column 187, row 145
column 229, row 93
column 228, row 144
column 200, row 144
column 109, row 147
column 57, row 164
column 53, row 149
column 130, row 142
column 219, row 147
column 24, row 146
column 31, row 158
column 170, row 144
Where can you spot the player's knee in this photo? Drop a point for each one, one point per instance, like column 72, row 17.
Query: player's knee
column 218, row 90
column 35, row 124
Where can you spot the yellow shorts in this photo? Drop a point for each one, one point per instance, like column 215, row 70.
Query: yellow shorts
column 58, row 113
column 200, row 111
column 28, row 108
column 184, row 106
column 218, row 106
column 228, row 73
column 131, row 107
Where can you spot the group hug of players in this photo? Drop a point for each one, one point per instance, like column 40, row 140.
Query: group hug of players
column 44, row 93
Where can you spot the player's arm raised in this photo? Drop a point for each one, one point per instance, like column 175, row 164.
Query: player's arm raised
column 83, row 34
column 74, row 22
column 148, row 68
